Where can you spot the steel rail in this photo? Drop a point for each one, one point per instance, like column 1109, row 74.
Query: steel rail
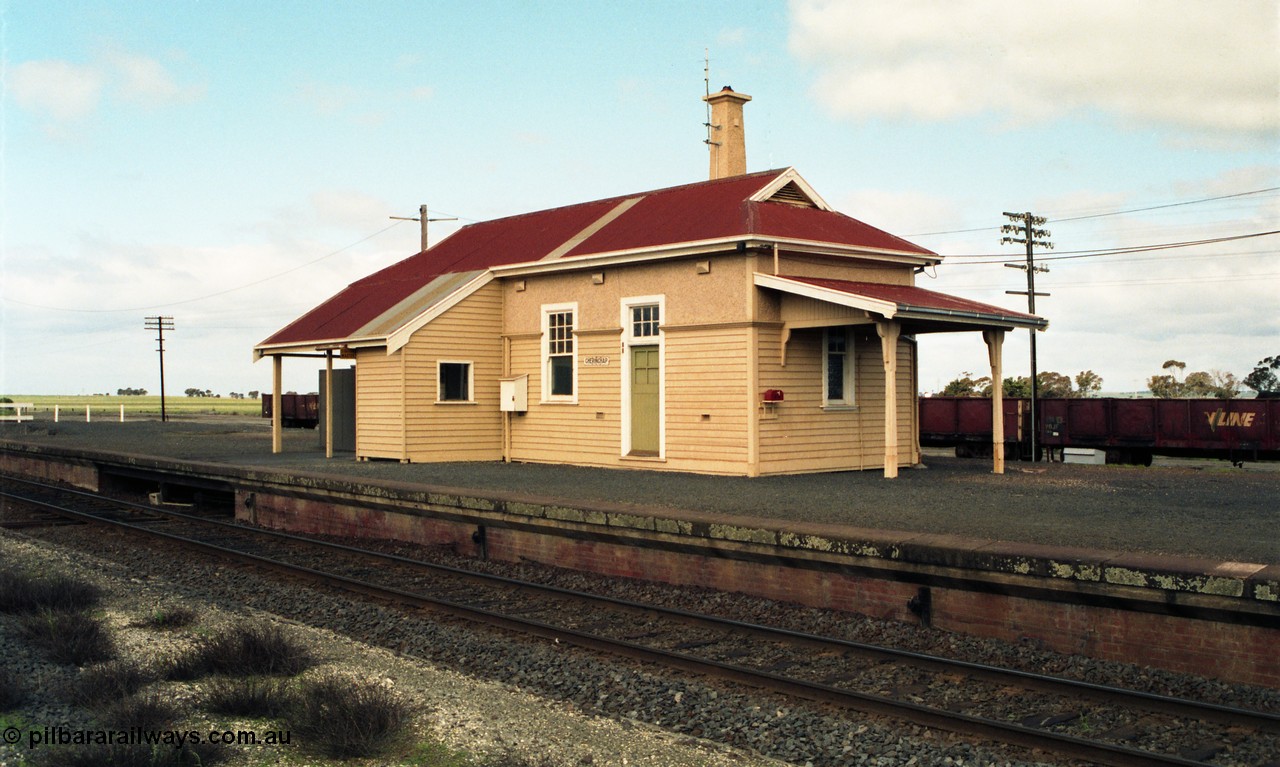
column 1042, row 682
column 1004, row 732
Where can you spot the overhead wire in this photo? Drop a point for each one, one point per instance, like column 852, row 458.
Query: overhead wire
column 1170, row 205
column 997, row 258
column 1053, row 219
column 207, row 296
column 1137, row 281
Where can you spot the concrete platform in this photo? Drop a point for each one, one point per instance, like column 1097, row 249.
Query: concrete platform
column 1023, row 556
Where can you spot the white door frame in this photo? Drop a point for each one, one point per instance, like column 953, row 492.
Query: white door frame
column 629, row 340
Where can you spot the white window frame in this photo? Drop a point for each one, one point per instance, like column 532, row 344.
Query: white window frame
column 629, row 339
column 849, row 399
column 547, row 311
column 471, row 383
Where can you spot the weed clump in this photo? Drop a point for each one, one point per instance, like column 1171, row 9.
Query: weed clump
column 24, row 593
column 12, row 692
column 68, row 637
column 252, row 650
column 255, row 696
column 144, row 712
column 105, row 683
column 169, row 618
column 343, row 717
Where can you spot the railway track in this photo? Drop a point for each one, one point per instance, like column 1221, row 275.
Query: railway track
column 1077, row 720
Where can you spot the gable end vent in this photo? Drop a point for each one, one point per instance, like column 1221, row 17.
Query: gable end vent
column 791, row 195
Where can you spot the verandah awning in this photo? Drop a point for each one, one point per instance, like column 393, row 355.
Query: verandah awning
column 928, row 310
column 895, row 309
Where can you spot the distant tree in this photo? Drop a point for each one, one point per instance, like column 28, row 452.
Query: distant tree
column 1051, row 384
column 1263, row 379
column 1167, row 384
column 131, row 392
column 1019, row 387
column 968, row 386
column 1088, row 383
column 1214, row 384
column 253, row 394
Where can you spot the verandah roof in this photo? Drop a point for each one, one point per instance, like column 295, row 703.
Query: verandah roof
column 927, row 310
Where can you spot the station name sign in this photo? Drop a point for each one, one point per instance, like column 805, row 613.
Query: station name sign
column 595, row 362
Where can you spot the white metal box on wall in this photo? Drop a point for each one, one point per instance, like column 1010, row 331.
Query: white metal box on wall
column 514, row 393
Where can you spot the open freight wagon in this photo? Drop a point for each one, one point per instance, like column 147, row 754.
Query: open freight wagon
column 1128, row 430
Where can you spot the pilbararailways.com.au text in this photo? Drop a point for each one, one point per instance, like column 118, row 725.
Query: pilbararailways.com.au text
column 137, row 736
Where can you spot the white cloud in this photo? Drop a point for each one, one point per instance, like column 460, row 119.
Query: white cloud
column 327, row 99
column 1214, row 306
column 366, row 107
column 1205, row 67
column 224, row 299
column 351, row 209
column 896, row 212
column 63, row 92
column 144, row 80
column 57, row 89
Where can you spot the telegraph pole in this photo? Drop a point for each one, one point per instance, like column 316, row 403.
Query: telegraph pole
column 160, row 325
column 1031, row 236
column 423, row 219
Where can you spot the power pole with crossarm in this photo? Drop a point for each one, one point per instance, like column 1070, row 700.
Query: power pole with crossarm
column 160, row 325
column 1031, row 236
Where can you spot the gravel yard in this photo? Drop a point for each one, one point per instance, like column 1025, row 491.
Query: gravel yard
column 499, row 723
column 528, row 703
column 1188, row 508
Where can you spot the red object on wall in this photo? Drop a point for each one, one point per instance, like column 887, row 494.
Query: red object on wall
column 773, row 395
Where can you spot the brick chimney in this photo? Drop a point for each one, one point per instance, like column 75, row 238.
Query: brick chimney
column 726, row 137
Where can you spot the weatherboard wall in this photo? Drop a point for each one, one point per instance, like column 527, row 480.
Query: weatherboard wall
column 705, row 360
column 380, row 401
column 469, row 332
column 800, row 434
column 721, row 339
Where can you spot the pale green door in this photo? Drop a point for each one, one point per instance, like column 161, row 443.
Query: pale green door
column 646, row 374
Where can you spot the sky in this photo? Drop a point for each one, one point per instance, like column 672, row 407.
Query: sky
column 232, row 164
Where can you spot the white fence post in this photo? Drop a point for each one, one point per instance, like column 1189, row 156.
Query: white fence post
column 55, row 413
column 86, row 413
column 122, row 413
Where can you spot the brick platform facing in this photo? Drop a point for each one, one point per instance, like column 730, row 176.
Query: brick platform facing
column 1230, row 652
column 84, row 476
column 1237, row 653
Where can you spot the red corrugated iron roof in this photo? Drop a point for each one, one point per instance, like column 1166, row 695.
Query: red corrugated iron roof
column 708, row 210
column 512, row 240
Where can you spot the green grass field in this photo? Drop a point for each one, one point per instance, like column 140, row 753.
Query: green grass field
column 110, row 404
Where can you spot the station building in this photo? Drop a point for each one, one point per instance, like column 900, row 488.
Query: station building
column 735, row 326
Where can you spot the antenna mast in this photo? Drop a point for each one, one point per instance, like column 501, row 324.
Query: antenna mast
column 706, row 84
